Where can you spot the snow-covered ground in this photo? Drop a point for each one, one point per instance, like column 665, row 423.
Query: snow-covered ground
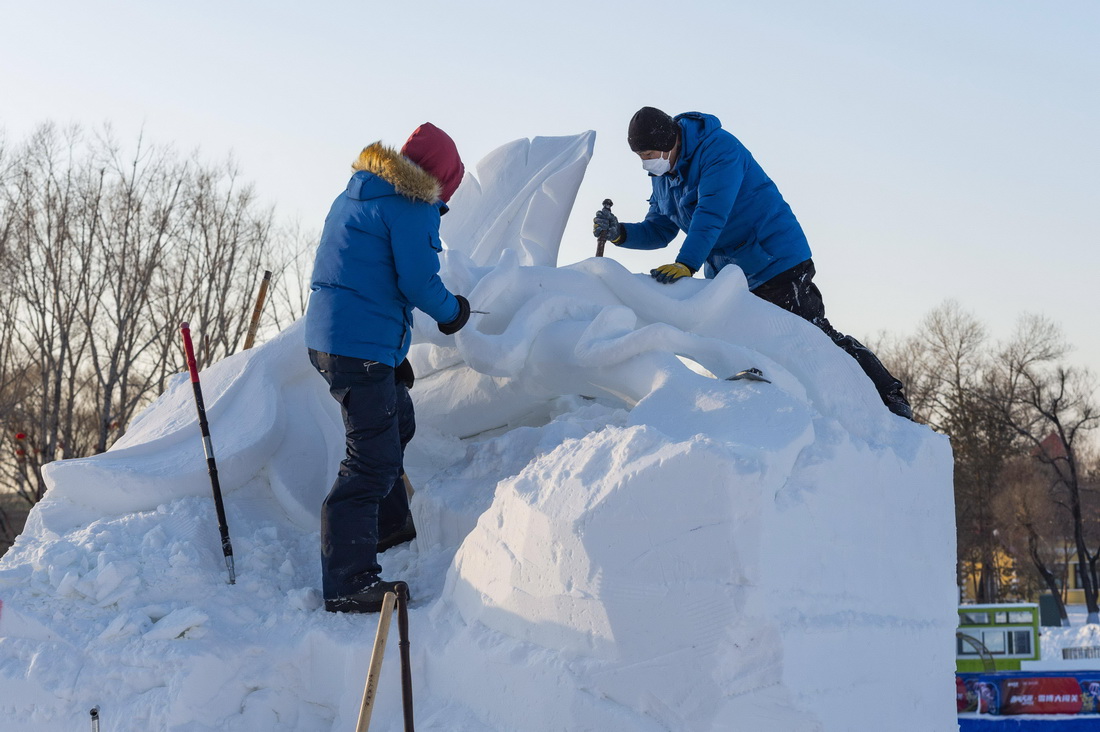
column 1076, row 635
column 611, row 535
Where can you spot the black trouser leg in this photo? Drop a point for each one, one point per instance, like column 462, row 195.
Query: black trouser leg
column 795, row 291
column 394, row 509
column 349, row 516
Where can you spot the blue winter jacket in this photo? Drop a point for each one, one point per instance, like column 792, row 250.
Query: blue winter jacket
column 378, row 259
column 729, row 208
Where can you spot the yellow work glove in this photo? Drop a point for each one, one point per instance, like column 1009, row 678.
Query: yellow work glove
column 667, row 273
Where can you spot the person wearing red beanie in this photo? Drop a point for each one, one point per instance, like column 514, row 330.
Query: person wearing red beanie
column 378, row 258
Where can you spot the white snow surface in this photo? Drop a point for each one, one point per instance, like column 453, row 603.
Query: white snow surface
column 611, row 535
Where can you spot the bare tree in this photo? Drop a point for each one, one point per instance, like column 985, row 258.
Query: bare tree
column 104, row 249
column 53, row 213
column 944, row 366
column 1033, row 526
column 226, row 233
column 289, row 291
column 1051, row 407
column 9, row 370
column 137, row 222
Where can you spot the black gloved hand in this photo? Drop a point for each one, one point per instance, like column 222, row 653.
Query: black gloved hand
column 605, row 224
column 463, row 315
column 403, row 374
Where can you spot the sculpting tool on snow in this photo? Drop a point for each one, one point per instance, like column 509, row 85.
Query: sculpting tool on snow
column 400, row 599
column 753, row 374
column 403, row 647
column 370, row 690
column 602, row 238
column 253, row 326
column 208, row 448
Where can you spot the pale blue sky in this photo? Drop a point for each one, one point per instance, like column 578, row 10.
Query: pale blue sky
column 930, row 150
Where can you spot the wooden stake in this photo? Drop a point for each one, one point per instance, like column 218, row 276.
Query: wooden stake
column 250, row 339
column 370, row 691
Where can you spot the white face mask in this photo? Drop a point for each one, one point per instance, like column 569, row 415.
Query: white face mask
column 657, row 166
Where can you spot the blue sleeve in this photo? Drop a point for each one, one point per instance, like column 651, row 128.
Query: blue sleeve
column 655, row 232
column 414, row 236
column 722, row 170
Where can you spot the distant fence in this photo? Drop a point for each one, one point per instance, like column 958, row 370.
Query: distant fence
column 1078, row 652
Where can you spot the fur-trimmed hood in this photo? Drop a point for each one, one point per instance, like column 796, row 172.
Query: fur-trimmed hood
column 408, row 178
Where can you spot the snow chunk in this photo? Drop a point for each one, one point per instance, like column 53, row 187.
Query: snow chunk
column 179, row 623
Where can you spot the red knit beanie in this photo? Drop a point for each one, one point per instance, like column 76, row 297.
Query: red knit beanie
column 433, row 150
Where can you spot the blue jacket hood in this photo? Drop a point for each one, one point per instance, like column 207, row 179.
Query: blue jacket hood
column 364, row 186
column 696, row 127
column 382, row 171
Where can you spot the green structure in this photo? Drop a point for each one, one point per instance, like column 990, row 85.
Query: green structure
column 996, row 637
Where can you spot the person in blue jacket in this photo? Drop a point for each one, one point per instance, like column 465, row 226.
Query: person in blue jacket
column 378, row 258
column 706, row 184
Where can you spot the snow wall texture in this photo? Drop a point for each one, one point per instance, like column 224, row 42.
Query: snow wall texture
column 611, row 535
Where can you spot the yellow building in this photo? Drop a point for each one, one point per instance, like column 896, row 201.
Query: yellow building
column 1008, row 579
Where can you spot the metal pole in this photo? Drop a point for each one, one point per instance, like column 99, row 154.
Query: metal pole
column 255, row 324
column 95, row 718
column 403, row 647
column 370, row 690
column 208, row 448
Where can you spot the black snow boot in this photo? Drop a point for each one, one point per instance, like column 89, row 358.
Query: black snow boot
column 896, row 402
column 368, row 600
column 406, row 532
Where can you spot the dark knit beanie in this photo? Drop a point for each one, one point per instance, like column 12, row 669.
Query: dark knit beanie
column 651, row 129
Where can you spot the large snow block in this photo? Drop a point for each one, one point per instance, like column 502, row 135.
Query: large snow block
column 700, row 584
column 631, row 559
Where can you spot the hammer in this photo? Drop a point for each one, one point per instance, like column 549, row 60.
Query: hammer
column 603, row 237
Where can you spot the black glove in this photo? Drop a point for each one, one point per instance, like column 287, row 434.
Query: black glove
column 463, row 315
column 605, row 224
column 403, row 374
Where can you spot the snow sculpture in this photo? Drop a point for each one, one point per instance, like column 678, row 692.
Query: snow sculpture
column 612, row 535
column 522, row 203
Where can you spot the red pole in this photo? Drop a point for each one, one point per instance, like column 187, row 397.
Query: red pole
column 208, row 448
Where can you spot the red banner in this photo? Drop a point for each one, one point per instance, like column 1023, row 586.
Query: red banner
column 961, row 700
column 1040, row 695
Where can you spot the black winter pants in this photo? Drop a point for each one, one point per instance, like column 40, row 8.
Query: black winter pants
column 795, row 291
column 368, row 498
